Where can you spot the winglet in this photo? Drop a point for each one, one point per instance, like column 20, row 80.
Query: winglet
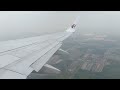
column 73, row 26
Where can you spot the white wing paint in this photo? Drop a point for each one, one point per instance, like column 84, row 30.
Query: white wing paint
column 18, row 58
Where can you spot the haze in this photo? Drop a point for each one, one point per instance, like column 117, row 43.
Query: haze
column 20, row 24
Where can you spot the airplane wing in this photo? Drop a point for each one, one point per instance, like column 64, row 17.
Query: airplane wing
column 18, row 58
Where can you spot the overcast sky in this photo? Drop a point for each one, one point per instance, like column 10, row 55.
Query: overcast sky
column 32, row 22
column 100, row 21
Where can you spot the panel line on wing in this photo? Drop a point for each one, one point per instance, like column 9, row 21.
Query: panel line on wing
column 1, row 53
column 9, row 45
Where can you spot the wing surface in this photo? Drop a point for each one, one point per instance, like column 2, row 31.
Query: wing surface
column 18, row 58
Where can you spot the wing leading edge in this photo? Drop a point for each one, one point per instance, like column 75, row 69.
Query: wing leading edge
column 18, row 58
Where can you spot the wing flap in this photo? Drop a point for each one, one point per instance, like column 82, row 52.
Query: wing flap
column 40, row 62
column 22, row 65
column 17, row 55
